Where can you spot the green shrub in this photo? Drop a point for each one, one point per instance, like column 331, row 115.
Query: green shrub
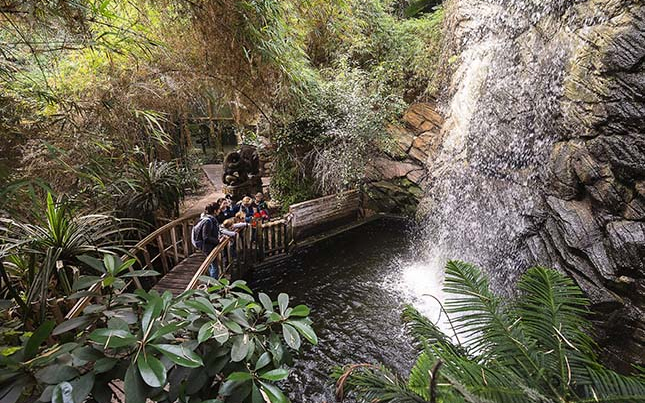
column 216, row 345
column 330, row 137
column 535, row 348
column 42, row 258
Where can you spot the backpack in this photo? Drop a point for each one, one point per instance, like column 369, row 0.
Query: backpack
column 196, row 236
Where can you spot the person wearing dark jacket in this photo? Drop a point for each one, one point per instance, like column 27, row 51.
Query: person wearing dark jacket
column 209, row 235
column 225, row 211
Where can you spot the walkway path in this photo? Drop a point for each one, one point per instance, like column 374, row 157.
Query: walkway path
column 212, row 189
column 177, row 279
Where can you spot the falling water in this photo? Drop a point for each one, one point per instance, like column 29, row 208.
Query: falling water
column 503, row 117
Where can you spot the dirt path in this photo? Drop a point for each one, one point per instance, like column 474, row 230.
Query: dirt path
column 210, row 190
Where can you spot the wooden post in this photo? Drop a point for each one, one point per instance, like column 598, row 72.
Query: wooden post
column 146, row 256
column 260, row 242
column 285, row 237
column 173, row 237
column 185, row 233
column 162, row 254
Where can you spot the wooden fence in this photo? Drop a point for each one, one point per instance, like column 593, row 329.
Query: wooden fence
column 170, row 245
column 312, row 217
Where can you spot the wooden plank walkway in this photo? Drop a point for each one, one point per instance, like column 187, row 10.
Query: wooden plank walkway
column 177, row 279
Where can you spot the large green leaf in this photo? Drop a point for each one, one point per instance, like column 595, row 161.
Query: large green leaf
column 277, row 374
column 37, row 338
column 134, row 387
column 274, row 394
column 291, row 336
column 72, row 324
column 203, row 305
column 240, row 347
column 300, row 310
column 263, row 361
column 180, row 355
column 239, row 376
column 82, row 386
column 152, row 370
column 283, row 302
column 151, row 313
column 266, row 301
column 167, row 329
column 84, row 282
column 93, row 262
column 113, row 338
column 305, row 329
column 213, row 329
column 104, row 364
column 55, row 374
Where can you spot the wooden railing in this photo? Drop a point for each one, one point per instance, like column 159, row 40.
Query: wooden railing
column 170, row 244
column 160, row 251
column 252, row 245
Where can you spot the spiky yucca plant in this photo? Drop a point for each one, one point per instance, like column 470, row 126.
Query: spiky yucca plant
column 535, row 348
column 41, row 258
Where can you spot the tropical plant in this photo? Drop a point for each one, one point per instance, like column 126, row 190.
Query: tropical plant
column 535, row 348
column 215, row 345
column 151, row 190
column 41, row 259
column 327, row 144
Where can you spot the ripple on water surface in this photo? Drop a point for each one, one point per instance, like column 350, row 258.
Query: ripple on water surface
column 356, row 285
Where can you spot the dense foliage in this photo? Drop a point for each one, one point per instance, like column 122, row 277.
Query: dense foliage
column 90, row 87
column 208, row 345
column 42, row 259
column 535, row 348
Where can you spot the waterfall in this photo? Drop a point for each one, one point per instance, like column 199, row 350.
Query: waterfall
column 500, row 127
column 542, row 157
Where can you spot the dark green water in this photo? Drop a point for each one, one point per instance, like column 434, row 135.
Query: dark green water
column 356, row 285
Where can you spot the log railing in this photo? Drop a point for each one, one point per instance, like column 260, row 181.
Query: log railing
column 170, row 244
column 160, row 251
column 252, row 245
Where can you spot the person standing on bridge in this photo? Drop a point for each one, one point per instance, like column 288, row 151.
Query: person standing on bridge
column 205, row 235
column 246, row 206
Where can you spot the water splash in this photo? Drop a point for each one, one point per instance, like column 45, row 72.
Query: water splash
column 502, row 120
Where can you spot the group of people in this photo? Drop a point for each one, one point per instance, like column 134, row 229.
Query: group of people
column 221, row 218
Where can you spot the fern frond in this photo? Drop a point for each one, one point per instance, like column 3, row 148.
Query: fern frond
column 491, row 382
column 553, row 313
column 609, row 387
column 488, row 326
column 376, row 384
column 425, row 332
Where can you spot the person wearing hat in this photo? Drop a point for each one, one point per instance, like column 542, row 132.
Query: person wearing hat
column 245, row 206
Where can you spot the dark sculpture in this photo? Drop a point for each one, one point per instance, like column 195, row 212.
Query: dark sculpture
column 239, row 165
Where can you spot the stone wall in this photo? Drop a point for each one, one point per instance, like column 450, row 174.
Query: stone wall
column 594, row 226
column 395, row 180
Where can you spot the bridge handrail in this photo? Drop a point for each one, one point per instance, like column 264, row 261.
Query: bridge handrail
column 250, row 246
column 157, row 236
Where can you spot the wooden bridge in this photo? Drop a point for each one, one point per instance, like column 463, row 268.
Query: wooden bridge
column 169, row 250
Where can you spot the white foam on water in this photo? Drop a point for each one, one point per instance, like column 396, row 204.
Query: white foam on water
column 420, row 283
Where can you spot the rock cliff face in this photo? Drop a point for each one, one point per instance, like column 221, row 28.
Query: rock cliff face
column 395, row 181
column 542, row 158
column 594, row 225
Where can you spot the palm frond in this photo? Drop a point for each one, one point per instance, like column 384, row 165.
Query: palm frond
column 553, row 313
column 425, row 332
column 374, row 383
column 609, row 387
